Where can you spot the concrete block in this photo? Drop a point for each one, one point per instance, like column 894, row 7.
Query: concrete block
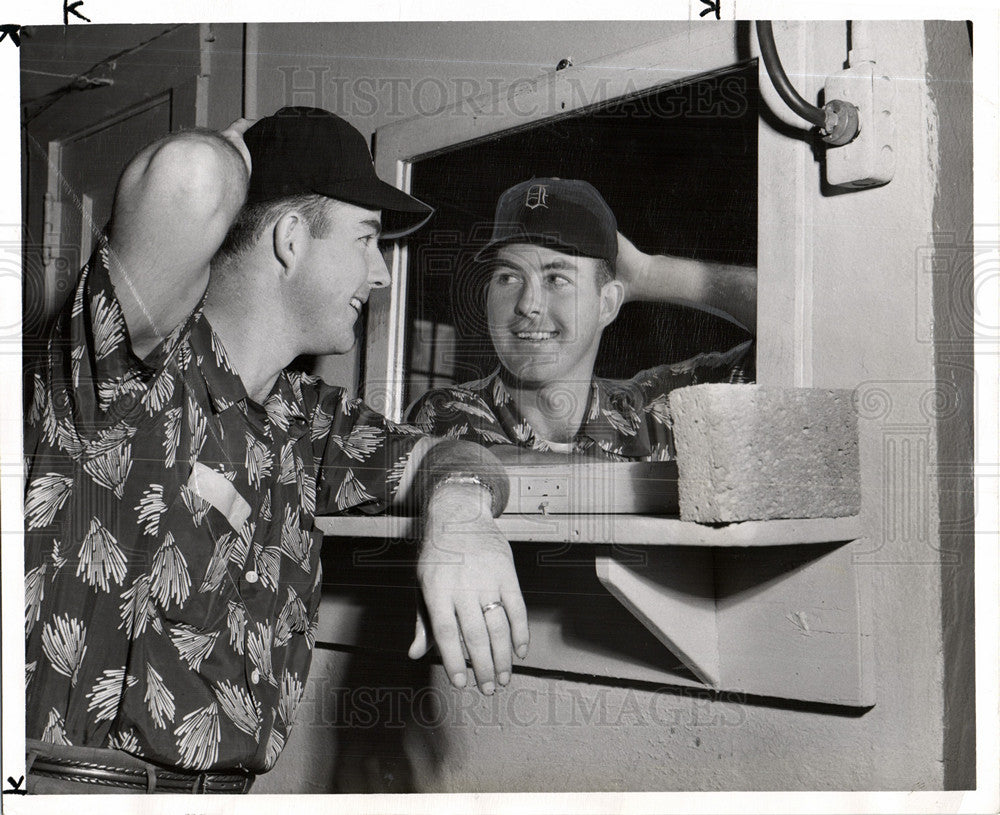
column 755, row 452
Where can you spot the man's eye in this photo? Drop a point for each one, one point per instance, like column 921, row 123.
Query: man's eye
column 558, row 280
column 505, row 278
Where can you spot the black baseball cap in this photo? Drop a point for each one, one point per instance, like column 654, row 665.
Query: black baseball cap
column 565, row 214
column 303, row 150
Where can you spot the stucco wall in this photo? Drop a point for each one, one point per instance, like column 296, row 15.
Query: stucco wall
column 875, row 313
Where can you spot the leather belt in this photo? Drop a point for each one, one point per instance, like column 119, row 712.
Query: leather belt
column 146, row 780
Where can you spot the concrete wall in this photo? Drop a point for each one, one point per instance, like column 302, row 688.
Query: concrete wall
column 878, row 320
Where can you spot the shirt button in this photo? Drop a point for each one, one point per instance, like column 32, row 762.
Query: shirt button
column 251, row 576
column 255, row 677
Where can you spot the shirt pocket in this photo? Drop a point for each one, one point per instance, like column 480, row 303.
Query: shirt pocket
column 196, row 573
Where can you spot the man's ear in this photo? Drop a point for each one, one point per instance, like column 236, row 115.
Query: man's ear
column 612, row 297
column 289, row 236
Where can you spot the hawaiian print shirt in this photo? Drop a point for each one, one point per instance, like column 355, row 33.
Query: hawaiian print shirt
column 625, row 420
column 172, row 565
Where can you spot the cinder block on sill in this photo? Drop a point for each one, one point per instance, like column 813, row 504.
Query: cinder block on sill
column 755, row 452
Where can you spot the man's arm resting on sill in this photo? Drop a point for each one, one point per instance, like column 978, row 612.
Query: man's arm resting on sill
column 465, row 564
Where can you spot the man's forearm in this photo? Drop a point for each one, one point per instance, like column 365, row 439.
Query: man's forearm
column 450, row 461
column 724, row 289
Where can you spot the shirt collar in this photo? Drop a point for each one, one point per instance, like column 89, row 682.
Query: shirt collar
column 284, row 406
column 612, row 420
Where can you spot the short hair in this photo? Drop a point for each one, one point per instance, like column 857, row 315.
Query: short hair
column 604, row 273
column 253, row 219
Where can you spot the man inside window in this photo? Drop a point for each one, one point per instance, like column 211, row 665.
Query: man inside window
column 559, row 274
column 176, row 465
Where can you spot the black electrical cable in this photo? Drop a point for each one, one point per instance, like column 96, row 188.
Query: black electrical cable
column 784, row 87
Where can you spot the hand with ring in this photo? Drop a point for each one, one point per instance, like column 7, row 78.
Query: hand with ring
column 467, row 577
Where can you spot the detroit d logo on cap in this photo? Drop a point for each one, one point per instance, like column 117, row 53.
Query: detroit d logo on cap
column 536, row 197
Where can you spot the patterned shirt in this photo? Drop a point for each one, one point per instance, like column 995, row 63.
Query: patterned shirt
column 624, row 421
column 172, row 565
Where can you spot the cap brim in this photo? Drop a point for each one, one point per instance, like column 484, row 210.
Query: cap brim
column 549, row 241
column 401, row 213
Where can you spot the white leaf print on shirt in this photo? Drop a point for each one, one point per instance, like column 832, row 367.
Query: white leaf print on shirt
column 267, row 564
column 46, row 496
column 34, row 593
column 169, row 574
column 192, row 645
column 625, row 421
column 659, row 409
column 55, row 729
column 151, row 507
column 158, row 698
column 196, row 505
column 291, row 618
column 109, row 326
column 159, row 392
column 216, row 572
column 241, row 546
column 107, row 693
column 111, row 389
column 287, row 472
column 58, row 560
column 126, row 741
column 500, row 395
column 198, row 738
column 275, row 744
column 472, row 409
column 289, row 696
column 64, row 643
column 137, row 608
column 321, row 423
column 220, row 354
column 171, row 435
column 68, row 439
column 258, row 461
column 242, row 709
column 236, row 622
column 491, row 436
column 198, row 426
column 351, row 492
column 296, row 543
column 361, row 442
column 259, row 644
column 100, row 558
column 279, row 412
column 111, row 469
column 307, row 492
column 396, row 472
column 76, row 359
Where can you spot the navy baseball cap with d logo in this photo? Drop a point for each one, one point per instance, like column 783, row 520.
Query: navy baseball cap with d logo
column 564, row 214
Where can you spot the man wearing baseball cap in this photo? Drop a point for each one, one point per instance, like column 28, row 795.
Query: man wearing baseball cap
column 559, row 273
column 176, row 466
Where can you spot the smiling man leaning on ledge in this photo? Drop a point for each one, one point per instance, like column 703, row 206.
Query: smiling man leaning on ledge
column 176, row 465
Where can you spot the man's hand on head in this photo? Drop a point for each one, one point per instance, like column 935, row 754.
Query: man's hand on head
column 631, row 268
column 234, row 135
column 466, row 573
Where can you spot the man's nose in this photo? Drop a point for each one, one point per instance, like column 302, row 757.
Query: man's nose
column 530, row 300
column 378, row 272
